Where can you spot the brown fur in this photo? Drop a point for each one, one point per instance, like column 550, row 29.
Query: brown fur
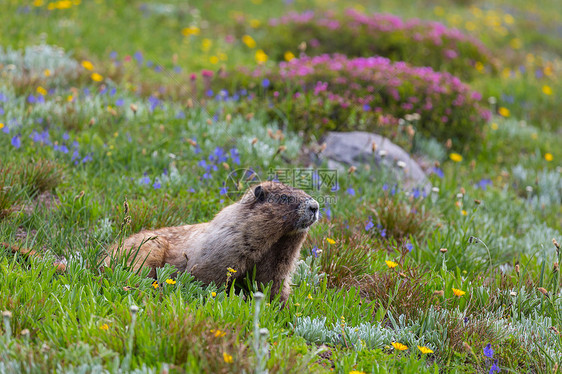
column 61, row 267
column 265, row 229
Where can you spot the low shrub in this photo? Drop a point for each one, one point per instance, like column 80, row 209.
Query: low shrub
column 333, row 92
column 355, row 34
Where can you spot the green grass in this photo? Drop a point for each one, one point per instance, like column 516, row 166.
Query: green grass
column 63, row 195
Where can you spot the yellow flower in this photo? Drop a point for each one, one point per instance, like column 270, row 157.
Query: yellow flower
column 227, row 358
column 424, row 350
column 515, row 43
column 249, row 41
column 41, row 91
column 494, row 126
column 38, row 3
column 400, row 347
column 63, row 4
column 47, row 73
column 213, row 294
column 457, row 292
column 470, row 26
column 391, row 264
column 97, row 77
column 206, row 44
column 455, row 157
column 330, row 240
column 289, row 56
column 547, row 71
column 87, row 65
column 309, row 296
column 192, row 30
column 1, row 125
column 105, row 326
column 255, row 23
column 479, row 66
column 439, row 11
column 508, row 18
column 356, row 372
column 155, row 284
column 231, row 270
column 547, row 90
column 170, row 281
column 69, row 98
column 214, row 60
column 261, row 56
column 503, row 111
column 548, row 157
column 463, row 212
column 218, row 333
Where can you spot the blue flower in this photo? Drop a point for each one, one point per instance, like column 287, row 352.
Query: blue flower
column 369, row 224
column 366, row 107
column 119, row 102
column 235, row 156
column 113, row 91
column 484, row 183
column 113, row 55
column 16, row 141
column 416, row 193
column 494, row 368
column 31, row 99
column 351, row 191
column 435, row 170
column 488, row 351
column 177, row 69
column 315, row 251
column 138, row 57
column 328, row 212
column 224, row 190
column 156, row 184
column 265, row 83
column 145, row 180
column 409, row 247
column 383, row 233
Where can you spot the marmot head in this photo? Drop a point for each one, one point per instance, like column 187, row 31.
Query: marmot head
column 284, row 208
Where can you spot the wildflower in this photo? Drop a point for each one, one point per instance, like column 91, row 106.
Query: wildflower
column 463, row 212
column 356, row 372
column 503, row 111
column 41, row 91
column 369, row 225
column 543, row 291
column 87, row 65
column 289, row 56
column 155, row 285
column 97, row 77
column 547, row 90
column 391, row 264
column 409, row 247
column 309, row 296
column 214, row 60
column 330, row 240
column 455, row 157
column 399, row 346
column 425, row 350
column 231, row 270
column 206, row 44
column 261, row 56
column 213, row 294
column 494, row 368
column 16, row 141
column 218, row 333
column 494, row 126
column 170, row 281
column 227, row 358
column 255, row 23
column 443, row 250
column 488, row 351
column 105, row 326
column 548, row 157
column 192, row 30
column 458, row 292
column 249, row 41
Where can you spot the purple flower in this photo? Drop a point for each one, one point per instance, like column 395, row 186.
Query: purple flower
column 138, row 57
column 31, row 99
column 369, row 224
column 435, row 170
column 328, row 212
column 16, row 141
column 145, row 180
column 494, row 368
column 383, row 233
column 315, row 251
column 119, row 102
column 224, row 190
column 351, row 191
column 483, row 184
column 409, row 247
column 488, row 351
column 113, row 55
column 156, row 184
column 235, row 156
column 265, row 83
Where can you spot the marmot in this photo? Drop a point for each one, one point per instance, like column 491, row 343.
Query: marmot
column 265, row 229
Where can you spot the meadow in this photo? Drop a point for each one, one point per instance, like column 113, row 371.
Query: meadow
column 152, row 105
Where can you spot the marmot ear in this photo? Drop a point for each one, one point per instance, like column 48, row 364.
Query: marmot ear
column 259, row 193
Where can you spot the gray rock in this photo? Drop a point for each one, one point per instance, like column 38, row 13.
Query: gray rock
column 344, row 149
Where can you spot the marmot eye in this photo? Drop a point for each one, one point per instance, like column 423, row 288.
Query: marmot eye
column 259, row 193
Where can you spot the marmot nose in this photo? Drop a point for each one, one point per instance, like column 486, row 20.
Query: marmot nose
column 313, row 207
